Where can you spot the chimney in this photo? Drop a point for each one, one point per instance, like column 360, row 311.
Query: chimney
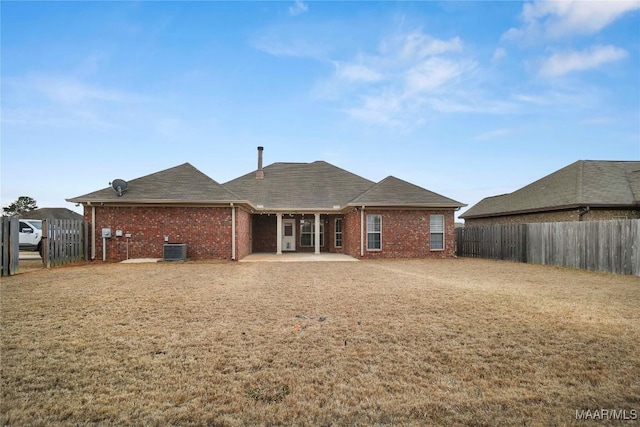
column 260, row 172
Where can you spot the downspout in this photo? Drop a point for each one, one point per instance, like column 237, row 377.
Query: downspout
column 362, row 231
column 93, row 233
column 233, row 232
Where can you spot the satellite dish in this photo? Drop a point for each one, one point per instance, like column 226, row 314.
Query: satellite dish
column 119, row 185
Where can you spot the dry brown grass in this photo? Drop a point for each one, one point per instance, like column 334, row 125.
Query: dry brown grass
column 452, row 342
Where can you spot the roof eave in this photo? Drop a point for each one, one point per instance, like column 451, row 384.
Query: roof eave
column 409, row 205
column 92, row 202
column 553, row 208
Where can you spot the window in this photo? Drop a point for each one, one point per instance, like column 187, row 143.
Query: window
column 308, row 232
column 338, row 231
column 436, row 230
column 374, row 232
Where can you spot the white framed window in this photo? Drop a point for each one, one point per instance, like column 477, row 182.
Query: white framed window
column 338, row 233
column 436, row 232
column 374, row 232
column 308, row 233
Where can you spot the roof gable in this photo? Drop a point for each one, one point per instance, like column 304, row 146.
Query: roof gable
column 183, row 183
column 317, row 185
column 392, row 191
column 583, row 183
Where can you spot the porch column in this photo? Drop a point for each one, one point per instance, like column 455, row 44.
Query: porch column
column 317, row 231
column 279, row 234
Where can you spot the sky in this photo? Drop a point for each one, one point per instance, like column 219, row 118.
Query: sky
column 467, row 99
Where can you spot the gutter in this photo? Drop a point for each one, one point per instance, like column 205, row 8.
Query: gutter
column 549, row 209
column 233, row 232
column 362, row 231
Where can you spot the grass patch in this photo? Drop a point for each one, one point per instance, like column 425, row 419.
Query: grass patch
column 442, row 342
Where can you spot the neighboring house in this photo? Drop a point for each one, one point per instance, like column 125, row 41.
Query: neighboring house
column 284, row 207
column 583, row 191
column 52, row 213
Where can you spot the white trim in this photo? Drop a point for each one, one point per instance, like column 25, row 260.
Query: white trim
column 335, row 232
column 93, row 232
column 292, row 222
column 444, row 222
column 233, row 232
column 372, row 232
column 317, row 234
column 279, row 234
column 362, row 231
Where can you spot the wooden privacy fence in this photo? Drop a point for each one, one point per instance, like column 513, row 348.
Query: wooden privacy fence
column 65, row 242
column 611, row 246
column 10, row 238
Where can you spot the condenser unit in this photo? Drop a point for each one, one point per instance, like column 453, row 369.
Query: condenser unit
column 175, row 251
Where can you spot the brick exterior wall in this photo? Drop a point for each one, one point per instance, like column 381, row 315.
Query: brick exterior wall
column 205, row 230
column 264, row 233
column 351, row 230
column 405, row 234
column 556, row 216
column 243, row 233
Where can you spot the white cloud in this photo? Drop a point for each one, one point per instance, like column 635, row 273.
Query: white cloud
column 554, row 19
column 417, row 46
column 498, row 54
column 432, row 74
column 71, row 91
column 298, row 8
column 493, row 134
column 357, row 73
column 397, row 85
column 562, row 63
column 293, row 44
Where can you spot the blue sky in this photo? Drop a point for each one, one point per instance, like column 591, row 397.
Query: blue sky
column 467, row 99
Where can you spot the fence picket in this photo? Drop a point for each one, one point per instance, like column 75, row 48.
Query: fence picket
column 611, row 246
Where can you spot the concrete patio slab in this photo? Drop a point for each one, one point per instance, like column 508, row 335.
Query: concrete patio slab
column 297, row 257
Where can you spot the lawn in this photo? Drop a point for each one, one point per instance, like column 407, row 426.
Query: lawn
column 416, row 342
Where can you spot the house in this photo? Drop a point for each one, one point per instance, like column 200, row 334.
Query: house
column 582, row 191
column 52, row 213
column 284, row 207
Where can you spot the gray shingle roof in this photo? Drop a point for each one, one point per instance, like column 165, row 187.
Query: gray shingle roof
column 583, row 183
column 183, row 183
column 317, row 185
column 285, row 186
column 392, row 191
column 52, row 213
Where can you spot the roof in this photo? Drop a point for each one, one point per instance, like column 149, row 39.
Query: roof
column 285, row 187
column 52, row 213
column 180, row 184
column 593, row 183
column 392, row 191
column 317, row 185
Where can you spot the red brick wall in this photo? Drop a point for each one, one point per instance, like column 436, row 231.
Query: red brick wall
column 405, row 234
column 594, row 214
column 351, row 237
column 243, row 233
column 205, row 230
column 264, row 233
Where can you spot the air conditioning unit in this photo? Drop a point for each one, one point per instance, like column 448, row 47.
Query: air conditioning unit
column 175, row 251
